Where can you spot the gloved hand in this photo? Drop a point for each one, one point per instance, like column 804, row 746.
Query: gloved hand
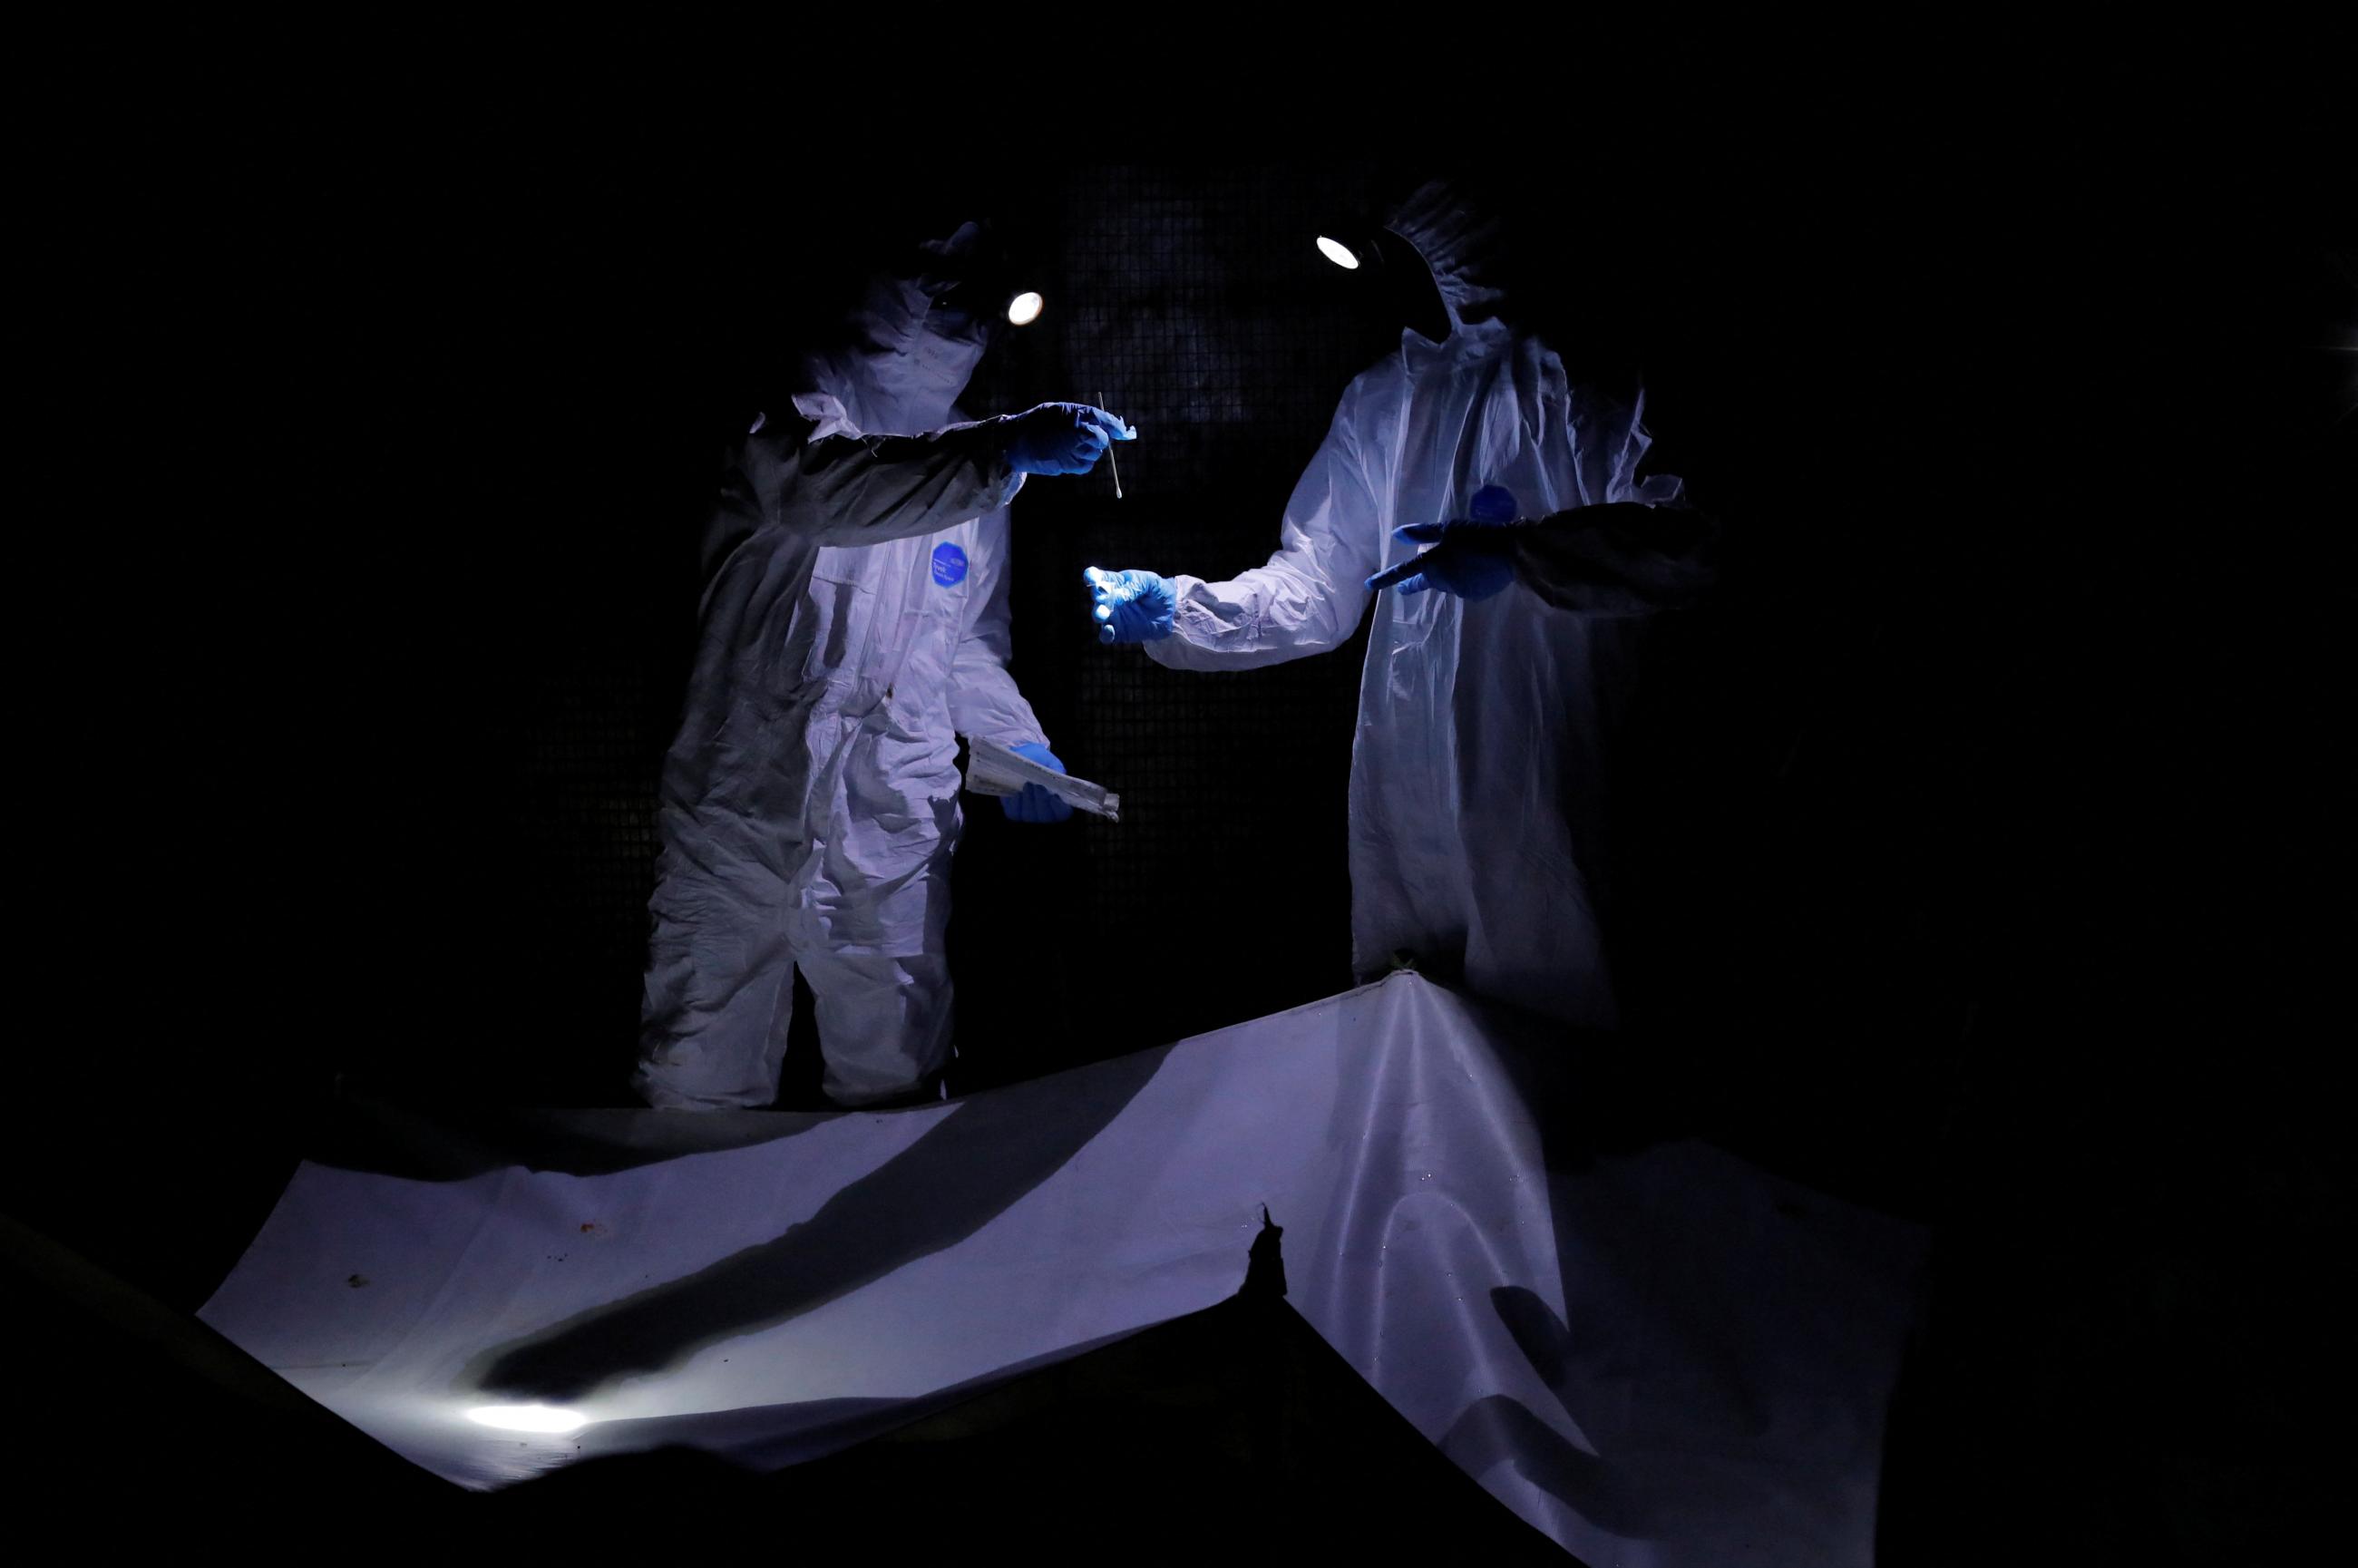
column 1061, row 437
column 1473, row 559
column 1131, row 606
column 1035, row 804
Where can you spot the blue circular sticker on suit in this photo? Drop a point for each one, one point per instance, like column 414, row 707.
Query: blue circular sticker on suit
column 950, row 565
column 1494, row 503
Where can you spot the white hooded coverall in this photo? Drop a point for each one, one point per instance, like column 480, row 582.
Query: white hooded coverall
column 854, row 623
column 1478, row 771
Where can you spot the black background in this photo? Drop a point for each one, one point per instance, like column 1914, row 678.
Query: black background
column 1986, row 826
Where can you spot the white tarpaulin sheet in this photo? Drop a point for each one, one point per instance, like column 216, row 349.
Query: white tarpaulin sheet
column 1663, row 1357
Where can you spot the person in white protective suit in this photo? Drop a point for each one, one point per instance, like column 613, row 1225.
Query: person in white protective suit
column 854, row 623
column 1479, row 772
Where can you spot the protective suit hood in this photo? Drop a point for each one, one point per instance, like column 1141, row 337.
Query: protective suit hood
column 1461, row 243
column 909, row 347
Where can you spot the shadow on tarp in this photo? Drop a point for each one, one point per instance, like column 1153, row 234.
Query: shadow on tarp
column 772, row 1437
column 974, row 1163
column 1234, row 1430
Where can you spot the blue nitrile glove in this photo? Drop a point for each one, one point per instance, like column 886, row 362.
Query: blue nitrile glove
column 1061, row 437
column 1131, row 606
column 1470, row 560
column 1035, row 804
